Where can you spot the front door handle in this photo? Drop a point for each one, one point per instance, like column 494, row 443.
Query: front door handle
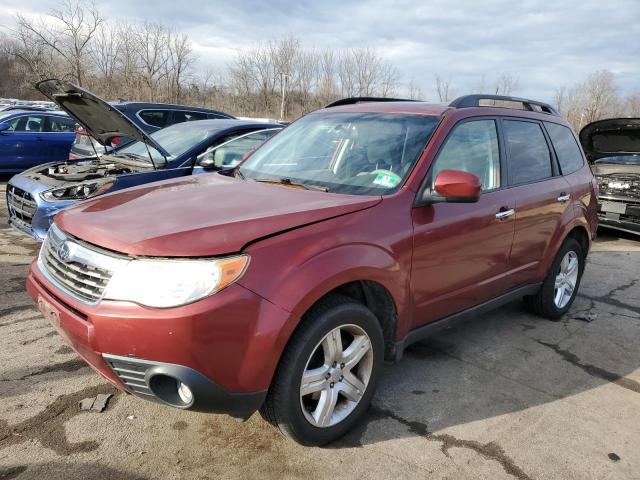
column 564, row 197
column 502, row 214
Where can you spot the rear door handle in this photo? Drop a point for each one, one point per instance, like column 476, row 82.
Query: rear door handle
column 502, row 214
column 564, row 197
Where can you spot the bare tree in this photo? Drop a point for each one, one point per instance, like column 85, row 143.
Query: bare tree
column 67, row 32
column 414, row 92
column 443, row 89
column 506, row 85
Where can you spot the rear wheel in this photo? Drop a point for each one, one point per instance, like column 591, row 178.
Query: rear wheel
column 328, row 372
column 560, row 287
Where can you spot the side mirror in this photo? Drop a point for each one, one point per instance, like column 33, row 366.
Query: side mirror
column 456, row 186
column 207, row 160
column 4, row 127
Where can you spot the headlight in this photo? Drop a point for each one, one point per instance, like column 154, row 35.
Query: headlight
column 80, row 191
column 171, row 283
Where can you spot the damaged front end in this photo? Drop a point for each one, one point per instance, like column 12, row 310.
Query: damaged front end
column 612, row 146
column 36, row 195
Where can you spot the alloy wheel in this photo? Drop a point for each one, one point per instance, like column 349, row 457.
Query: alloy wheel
column 336, row 376
column 566, row 279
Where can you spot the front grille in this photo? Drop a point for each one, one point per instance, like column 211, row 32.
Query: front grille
column 21, row 204
column 619, row 184
column 132, row 373
column 77, row 268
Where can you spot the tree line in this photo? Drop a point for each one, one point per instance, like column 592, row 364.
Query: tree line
column 149, row 61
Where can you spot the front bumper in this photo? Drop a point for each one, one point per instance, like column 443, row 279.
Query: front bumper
column 620, row 213
column 222, row 347
column 38, row 225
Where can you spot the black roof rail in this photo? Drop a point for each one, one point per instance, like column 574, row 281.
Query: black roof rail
column 475, row 99
column 354, row 100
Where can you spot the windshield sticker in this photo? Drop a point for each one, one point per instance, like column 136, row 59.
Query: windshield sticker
column 387, row 180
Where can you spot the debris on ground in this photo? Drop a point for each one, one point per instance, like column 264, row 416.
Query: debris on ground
column 585, row 316
column 97, row 403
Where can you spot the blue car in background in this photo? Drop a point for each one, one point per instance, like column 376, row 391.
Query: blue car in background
column 32, row 137
column 35, row 196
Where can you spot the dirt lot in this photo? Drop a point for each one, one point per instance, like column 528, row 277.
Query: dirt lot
column 507, row 396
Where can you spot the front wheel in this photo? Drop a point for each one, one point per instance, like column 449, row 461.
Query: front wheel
column 328, row 372
column 560, row 287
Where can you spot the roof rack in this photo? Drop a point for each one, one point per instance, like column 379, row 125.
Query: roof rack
column 354, row 100
column 531, row 105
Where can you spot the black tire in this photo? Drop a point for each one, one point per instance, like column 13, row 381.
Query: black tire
column 543, row 303
column 282, row 407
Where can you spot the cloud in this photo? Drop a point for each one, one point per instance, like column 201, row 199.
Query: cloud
column 544, row 44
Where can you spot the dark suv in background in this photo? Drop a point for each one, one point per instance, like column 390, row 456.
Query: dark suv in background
column 613, row 148
column 284, row 283
column 149, row 117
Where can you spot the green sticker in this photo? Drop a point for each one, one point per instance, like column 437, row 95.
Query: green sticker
column 387, row 179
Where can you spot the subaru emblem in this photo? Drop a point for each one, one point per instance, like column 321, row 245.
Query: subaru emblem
column 64, row 251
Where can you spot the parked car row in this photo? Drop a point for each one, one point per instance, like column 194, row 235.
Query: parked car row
column 283, row 279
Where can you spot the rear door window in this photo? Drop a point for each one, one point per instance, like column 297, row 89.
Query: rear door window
column 528, row 152
column 566, row 147
column 155, row 118
column 60, row 125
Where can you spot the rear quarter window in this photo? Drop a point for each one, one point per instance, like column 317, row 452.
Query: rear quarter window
column 155, row 118
column 566, row 147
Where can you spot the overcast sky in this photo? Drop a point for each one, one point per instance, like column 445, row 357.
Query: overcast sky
column 545, row 44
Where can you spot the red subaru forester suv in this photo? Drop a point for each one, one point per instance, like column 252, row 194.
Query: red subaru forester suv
column 283, row 284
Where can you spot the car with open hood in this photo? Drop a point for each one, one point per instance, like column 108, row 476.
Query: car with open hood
column 36, row 195
column 283, row 284
column 150, row 117
column 612, row 146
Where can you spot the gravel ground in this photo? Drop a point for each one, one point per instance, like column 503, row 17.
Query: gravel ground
column 507, row 396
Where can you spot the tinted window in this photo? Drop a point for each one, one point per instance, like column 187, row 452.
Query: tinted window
column 180, row 116
column 566, row 147
column 61, row 125
column 156, row 118
column 27, row 123
column 529, row 156
column 472, row 147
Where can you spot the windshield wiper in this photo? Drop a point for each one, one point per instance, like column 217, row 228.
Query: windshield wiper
column 288, row 182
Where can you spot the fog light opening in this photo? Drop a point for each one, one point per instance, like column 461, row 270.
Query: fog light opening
column 171, row 390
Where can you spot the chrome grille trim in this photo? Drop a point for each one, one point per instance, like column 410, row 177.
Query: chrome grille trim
column 85, row 274
column 21, row 204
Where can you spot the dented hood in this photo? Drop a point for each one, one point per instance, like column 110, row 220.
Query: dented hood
column 200, row 215
column 612, row 137
column 103, row 121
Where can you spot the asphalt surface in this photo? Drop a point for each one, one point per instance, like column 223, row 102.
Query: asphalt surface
column 507, row 396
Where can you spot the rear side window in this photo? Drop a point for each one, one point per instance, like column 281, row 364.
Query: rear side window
column 60, row 125
column 155, row 118
column 180, row 116
column 529, row 156
column 472, row 147
column 566, row 147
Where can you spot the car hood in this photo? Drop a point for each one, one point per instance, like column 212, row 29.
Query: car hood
column 613, row 137
column 201, row 215
column 103, row 121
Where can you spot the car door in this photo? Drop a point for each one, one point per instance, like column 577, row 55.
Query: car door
column 23, row 145
column 461, row 250
column 59, row 134
column 542, row 196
